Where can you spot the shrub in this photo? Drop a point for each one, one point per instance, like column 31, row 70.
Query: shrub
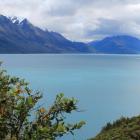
column 18, row 103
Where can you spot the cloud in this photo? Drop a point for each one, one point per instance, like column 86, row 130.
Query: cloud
column 81, row 20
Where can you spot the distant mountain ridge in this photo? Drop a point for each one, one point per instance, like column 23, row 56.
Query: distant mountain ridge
column 18, row 35
column 122, row 44
column 23, row 37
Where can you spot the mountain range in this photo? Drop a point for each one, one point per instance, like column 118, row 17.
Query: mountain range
column 21, row 36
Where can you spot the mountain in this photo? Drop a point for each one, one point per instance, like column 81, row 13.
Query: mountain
column 21, row 36
column 122, row 44
column 122, row 129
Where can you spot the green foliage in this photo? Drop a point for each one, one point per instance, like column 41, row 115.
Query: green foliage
column 122, row 129
column 18, row 104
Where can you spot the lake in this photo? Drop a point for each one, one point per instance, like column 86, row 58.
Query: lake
column 107, row 86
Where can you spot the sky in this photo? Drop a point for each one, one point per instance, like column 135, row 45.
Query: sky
column 79, row 20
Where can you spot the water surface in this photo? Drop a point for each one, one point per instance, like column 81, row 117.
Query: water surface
column 107, row 86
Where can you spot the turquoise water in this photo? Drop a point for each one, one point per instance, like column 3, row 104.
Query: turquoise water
column 107, row 86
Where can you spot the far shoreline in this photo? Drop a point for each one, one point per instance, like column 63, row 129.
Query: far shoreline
column 96, row 54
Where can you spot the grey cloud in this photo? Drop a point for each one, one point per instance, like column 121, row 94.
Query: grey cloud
column 106, row 27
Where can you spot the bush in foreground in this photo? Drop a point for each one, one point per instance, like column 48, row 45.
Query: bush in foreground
column 18, row 105
column 122, row 129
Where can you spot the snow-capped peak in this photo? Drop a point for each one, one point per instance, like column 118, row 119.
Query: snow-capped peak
column 16, row 20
